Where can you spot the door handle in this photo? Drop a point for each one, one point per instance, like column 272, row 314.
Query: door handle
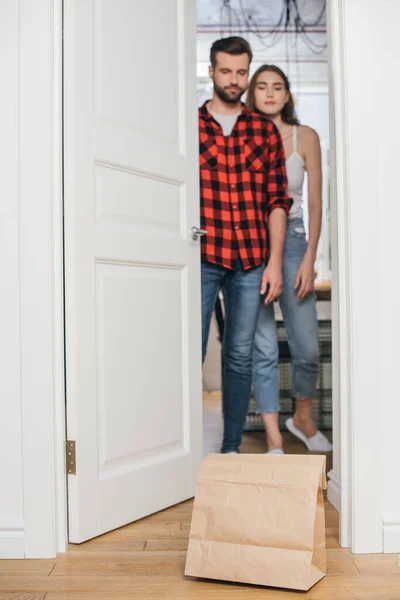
column 196, row 233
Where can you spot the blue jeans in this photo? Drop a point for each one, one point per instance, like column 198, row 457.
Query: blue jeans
column 241, row 291
column 300, row 317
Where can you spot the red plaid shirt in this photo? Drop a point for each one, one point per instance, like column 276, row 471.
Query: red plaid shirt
column 242, row 179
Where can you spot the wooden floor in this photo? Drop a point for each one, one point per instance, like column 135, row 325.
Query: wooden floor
column 146, row 560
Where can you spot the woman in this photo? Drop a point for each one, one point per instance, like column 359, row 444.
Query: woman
column 269, row 93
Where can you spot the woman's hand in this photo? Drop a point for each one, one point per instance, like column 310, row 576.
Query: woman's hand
column 305, row 278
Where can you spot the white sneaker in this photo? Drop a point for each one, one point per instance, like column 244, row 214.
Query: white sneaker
column 316, row 443
column 275, row 451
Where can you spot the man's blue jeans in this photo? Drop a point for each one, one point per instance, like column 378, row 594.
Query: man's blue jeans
column 241, row 290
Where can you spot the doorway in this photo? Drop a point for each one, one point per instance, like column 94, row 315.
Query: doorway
column 102, row 336
column 301, row 51
column 49, row 427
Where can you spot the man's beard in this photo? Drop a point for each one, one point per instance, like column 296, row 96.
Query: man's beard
column 230, row 97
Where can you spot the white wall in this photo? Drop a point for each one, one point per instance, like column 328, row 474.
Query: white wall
column 11, row 501
column 313, row 110
column 304, row 66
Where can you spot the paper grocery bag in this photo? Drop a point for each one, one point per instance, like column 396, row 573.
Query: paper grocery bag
column 259, row 519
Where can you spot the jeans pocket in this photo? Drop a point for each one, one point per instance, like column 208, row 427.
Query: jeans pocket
column 297, row 231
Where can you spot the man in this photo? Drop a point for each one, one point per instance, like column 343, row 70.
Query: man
column 243, row 203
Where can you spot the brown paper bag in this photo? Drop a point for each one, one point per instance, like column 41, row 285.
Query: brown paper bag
column 259, row 519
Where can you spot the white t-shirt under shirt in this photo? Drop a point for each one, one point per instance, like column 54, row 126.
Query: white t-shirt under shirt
column 227, row 122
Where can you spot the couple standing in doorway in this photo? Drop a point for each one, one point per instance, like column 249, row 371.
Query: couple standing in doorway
column 253, row 159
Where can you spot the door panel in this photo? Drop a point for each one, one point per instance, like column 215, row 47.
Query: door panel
column 132, row 270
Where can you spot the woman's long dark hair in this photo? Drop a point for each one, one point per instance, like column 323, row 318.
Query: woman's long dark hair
column 288, row 112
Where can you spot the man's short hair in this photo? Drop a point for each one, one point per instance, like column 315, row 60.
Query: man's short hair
column 231, row 45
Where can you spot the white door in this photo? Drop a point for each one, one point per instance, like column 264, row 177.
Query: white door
column 132, row 286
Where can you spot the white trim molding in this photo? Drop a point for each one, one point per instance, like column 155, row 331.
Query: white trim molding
column 359, row 466
column 340, row 265
column 391, row 532
column 340, row 378
column 334, row 489
column 41, row 291
column 12, row 541
column 59, row 439
column 11, row 496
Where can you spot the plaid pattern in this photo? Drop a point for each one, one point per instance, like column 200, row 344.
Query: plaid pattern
column 242, row 179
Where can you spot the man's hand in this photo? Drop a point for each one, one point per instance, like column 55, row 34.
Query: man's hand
column 272, row 279
column 305, row 278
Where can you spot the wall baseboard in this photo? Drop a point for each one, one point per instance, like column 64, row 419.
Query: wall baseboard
column 391, row 532
column 334, row 489
column 12, row 538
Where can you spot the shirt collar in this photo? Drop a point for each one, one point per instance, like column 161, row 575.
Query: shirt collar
column 246, row 112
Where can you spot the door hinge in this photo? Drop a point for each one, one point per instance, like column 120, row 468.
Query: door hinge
column 71, row 457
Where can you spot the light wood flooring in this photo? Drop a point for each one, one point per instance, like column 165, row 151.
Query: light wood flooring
column 146, row 560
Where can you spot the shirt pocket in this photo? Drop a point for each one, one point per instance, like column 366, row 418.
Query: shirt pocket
column 255, row 155
column 208, row 155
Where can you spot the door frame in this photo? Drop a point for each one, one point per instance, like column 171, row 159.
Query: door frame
column 42, row 309
column 41, row 278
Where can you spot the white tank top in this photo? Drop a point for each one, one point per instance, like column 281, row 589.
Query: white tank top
column 295, row 169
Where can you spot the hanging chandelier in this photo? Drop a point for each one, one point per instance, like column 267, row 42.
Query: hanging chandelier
column 290, row 23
